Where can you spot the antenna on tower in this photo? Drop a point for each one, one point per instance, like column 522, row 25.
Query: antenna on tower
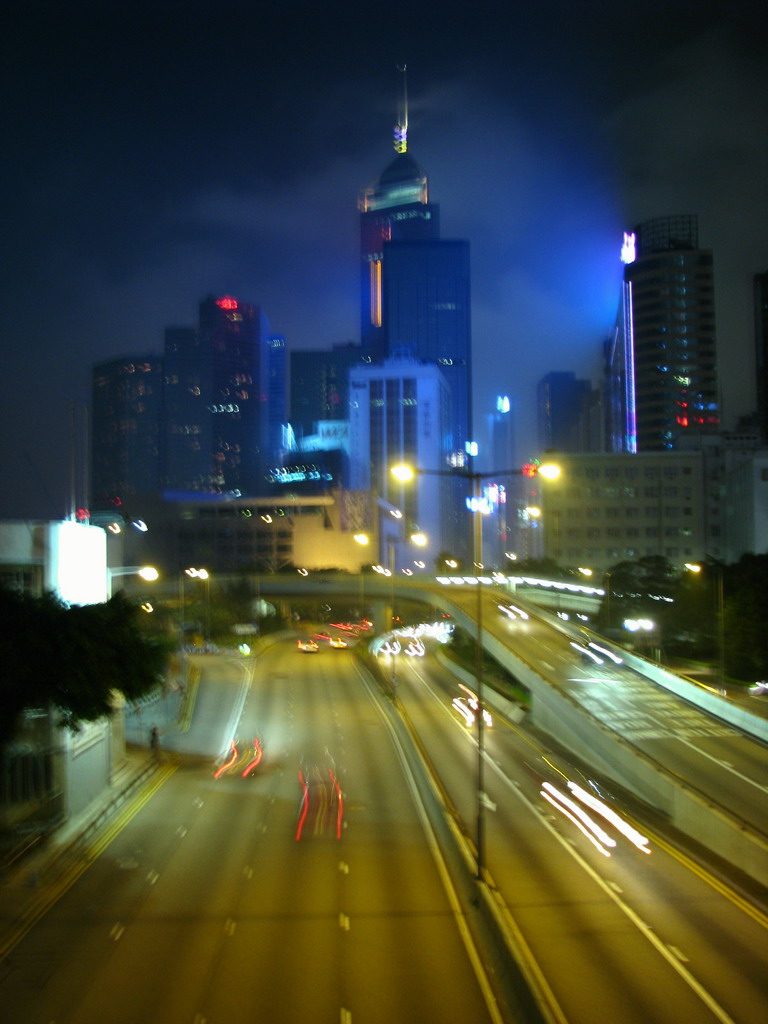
column 401, row 128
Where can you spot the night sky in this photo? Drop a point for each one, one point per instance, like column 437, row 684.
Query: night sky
column 154, row 154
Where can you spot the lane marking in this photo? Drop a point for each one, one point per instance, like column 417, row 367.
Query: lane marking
column 646, row 930
column 443, row 873
column 722, row 764
column 58, row 888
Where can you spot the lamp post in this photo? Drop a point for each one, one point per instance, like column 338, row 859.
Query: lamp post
column 404, row 474
column 199, row 574
column 146, row 572
column 720, row 605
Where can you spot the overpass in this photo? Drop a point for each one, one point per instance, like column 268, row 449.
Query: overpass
column 573, row 718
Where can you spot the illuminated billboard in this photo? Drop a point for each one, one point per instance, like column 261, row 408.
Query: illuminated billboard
column 76, row 567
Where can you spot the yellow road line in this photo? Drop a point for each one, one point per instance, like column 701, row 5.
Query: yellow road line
column 57, row 889
column 679, row 855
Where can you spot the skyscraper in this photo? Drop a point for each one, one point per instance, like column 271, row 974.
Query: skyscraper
column 426, row 298
column 562, row 404
column 661, row 363
column 125, row 428
column 394, row 209
column 399, row 414
column 415, row 294
column 320, row 385
column 223, row 391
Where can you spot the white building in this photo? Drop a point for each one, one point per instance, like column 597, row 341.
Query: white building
column 400, row 413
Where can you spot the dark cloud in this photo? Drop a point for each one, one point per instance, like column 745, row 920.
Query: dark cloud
column 158, row 153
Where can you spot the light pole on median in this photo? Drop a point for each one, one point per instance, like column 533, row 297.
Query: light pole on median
column 405, row 473
column 199, row 574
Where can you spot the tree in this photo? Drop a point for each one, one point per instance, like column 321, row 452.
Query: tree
column 73, row 659
column 643, row 588
column 745, row 609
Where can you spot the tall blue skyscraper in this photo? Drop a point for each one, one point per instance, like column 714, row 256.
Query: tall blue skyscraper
column 394, row 209
column 415, row 295
column 427, row 314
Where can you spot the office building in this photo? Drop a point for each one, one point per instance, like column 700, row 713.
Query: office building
column 415, row 304
column 426, row 303
column 399, row 413
column 319, row 387
column 126, row 413
column 224, row 399
column 661, row 363
column 605, row 509
column 396, row 208
column 563, row 409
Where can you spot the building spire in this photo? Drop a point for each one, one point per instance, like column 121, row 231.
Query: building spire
column 401, row 128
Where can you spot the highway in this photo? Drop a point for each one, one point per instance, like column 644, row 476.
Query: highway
column 307, row 889
column 284, row 871
column 728, row 767
column 620, row 934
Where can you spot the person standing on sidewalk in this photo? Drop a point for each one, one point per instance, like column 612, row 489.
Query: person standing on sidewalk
column 154, row 741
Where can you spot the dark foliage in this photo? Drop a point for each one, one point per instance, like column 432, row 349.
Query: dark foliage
column 73, row 659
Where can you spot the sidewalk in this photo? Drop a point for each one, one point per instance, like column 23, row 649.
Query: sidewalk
column 23, row 884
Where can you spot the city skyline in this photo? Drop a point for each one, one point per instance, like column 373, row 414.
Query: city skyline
column 146, row 171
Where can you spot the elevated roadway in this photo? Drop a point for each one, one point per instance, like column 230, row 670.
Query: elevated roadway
column 707, row 775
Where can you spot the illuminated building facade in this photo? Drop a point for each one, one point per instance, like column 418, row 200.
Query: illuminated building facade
column 395, row 209
column 126, row 412
column 415, row 298
column 224, row 400
column 661, row 363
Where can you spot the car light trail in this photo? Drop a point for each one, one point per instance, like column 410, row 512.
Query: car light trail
column 635, row 837
column 227, row 764
column 258, row 753
column 585, row 650
column 304, row 805
column 579, row 817
column 340, row 809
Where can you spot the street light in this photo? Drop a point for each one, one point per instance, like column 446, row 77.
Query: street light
column 404, row 474
column 720, row 597
column 146, row 572
column 199, row 574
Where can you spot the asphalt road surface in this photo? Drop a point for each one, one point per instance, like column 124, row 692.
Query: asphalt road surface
column 297, row 883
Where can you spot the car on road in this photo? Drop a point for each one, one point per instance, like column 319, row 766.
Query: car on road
column 307, row 644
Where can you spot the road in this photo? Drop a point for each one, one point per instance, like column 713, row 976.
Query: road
column 621, row 935
column 309, row 889
column 728, row 767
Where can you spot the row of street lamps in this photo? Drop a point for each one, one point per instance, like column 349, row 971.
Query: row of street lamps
column 404, row 474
